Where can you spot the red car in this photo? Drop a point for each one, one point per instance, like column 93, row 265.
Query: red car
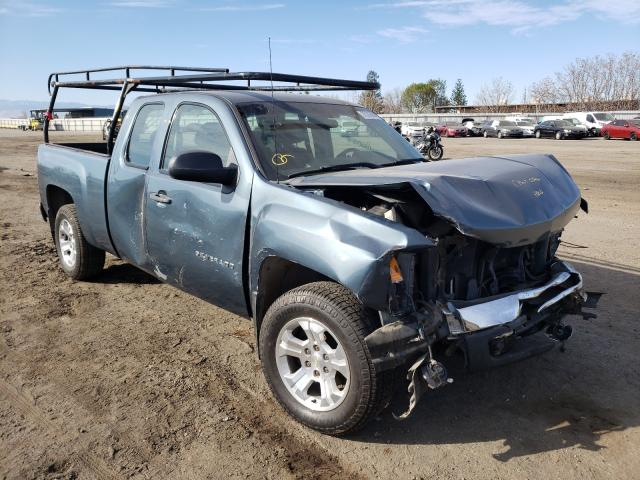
column 621, row 129
column 451, row 129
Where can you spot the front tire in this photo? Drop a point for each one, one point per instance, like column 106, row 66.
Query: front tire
column 499, row 134
column 78, row 259
column 485, row 134
column 607, row 136
column 435, row 153
column 559, row 136
column 538, row 134
column 633, row 136
column 316, row 362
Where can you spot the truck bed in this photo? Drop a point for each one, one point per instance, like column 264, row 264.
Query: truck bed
column 81, row 170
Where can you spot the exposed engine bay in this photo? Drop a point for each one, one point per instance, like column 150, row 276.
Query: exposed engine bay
column 490, row 281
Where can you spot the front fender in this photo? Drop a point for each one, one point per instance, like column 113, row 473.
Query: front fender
column 336, row 240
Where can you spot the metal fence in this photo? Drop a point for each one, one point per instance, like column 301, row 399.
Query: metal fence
column 93, row 124
column 457, row 117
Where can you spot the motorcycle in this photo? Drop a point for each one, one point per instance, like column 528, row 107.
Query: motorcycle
column 429, row 145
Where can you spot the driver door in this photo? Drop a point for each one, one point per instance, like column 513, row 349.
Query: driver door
column 195, row 231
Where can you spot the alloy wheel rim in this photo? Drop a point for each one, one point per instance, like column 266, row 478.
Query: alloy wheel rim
column 312, row 364
column 67, row 242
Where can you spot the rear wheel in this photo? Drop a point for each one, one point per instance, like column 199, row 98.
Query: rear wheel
column 499, row 134
column 316, row 362
column 78, row 259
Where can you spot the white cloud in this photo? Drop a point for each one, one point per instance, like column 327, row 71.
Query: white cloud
column 243, row 8
column 142, row 3
column 27, row 9
column 403, row 34
column 518, row 15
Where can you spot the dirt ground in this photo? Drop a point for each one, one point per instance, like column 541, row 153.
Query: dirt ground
column 126, row 377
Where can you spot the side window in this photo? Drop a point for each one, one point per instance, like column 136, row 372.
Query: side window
column 590, row 119
column 143, row 133
column 195, row 127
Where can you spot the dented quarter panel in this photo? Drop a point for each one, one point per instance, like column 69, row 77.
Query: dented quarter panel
column 509, row 201
column 331, row 238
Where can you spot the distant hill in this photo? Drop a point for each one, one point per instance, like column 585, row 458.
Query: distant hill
column 20, row 108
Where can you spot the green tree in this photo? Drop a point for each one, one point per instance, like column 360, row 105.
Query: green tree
column 372, row 99
column 419, row 97
column 458, row 97
column 440, row 86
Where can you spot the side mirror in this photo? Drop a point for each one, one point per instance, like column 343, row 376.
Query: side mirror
column 199, row 166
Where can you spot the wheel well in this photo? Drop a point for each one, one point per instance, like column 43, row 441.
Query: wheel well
column 56, row 198
column 278, row 276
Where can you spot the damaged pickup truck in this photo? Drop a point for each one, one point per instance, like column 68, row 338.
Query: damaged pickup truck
column 357, row 261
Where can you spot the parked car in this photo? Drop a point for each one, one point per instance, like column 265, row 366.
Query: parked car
column 527, row 125
column 629, row 129
column 409, row 128
column 451, row 129
column 578, row 124
column 474, row 127
column 560, row 129
column 501, row 129
column 349, row 128
column 594, row 121
column 353, row 257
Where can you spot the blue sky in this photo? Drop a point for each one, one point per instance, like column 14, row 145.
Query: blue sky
column 404, row 41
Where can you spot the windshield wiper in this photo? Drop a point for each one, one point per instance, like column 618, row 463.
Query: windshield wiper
column 334, row 168
column 407, row 161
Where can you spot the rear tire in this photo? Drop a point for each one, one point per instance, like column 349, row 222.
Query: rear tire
column 78, row 259
column 499, row 134
column 304, row 335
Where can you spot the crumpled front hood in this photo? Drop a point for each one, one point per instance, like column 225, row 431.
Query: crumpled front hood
column 509, row 201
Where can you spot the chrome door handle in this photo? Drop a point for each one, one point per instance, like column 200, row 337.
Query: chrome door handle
column 160, row 197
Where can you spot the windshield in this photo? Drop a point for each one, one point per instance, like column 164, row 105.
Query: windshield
column 603, row 117
column 307, row 137
column 573, row 121
column 563, row 123
column 507, row 123
column 525, row 123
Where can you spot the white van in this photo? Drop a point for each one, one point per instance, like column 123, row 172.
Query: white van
column 594, row 121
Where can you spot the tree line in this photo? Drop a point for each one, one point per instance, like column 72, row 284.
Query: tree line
column 587, row 82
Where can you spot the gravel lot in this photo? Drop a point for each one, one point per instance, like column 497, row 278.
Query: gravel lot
column 127, row 377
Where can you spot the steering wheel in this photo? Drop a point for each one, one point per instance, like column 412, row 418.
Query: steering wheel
column 348, row 154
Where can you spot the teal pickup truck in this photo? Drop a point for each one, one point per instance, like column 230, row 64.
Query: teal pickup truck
column 358, row 261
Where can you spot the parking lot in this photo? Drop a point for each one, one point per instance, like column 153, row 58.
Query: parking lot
column 125, row 376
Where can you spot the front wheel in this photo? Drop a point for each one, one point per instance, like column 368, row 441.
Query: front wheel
column 485, row 134
column 435, row 153
column 316, row 362
column 538, row 134
column 633, row 136
column 78, row 259
column 606, row 136
column 558, row 135
column 499, row 134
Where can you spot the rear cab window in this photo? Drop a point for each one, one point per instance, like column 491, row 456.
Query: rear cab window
column 143, row 134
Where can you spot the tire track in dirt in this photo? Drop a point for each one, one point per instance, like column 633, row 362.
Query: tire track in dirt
column 90, row 463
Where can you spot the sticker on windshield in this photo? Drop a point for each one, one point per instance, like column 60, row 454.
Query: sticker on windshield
column 368, row 115
column 280, row 159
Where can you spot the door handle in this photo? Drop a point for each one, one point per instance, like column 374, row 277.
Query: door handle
column 160, row 197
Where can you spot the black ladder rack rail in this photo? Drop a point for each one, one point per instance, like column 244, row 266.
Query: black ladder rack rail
column 197, row 79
